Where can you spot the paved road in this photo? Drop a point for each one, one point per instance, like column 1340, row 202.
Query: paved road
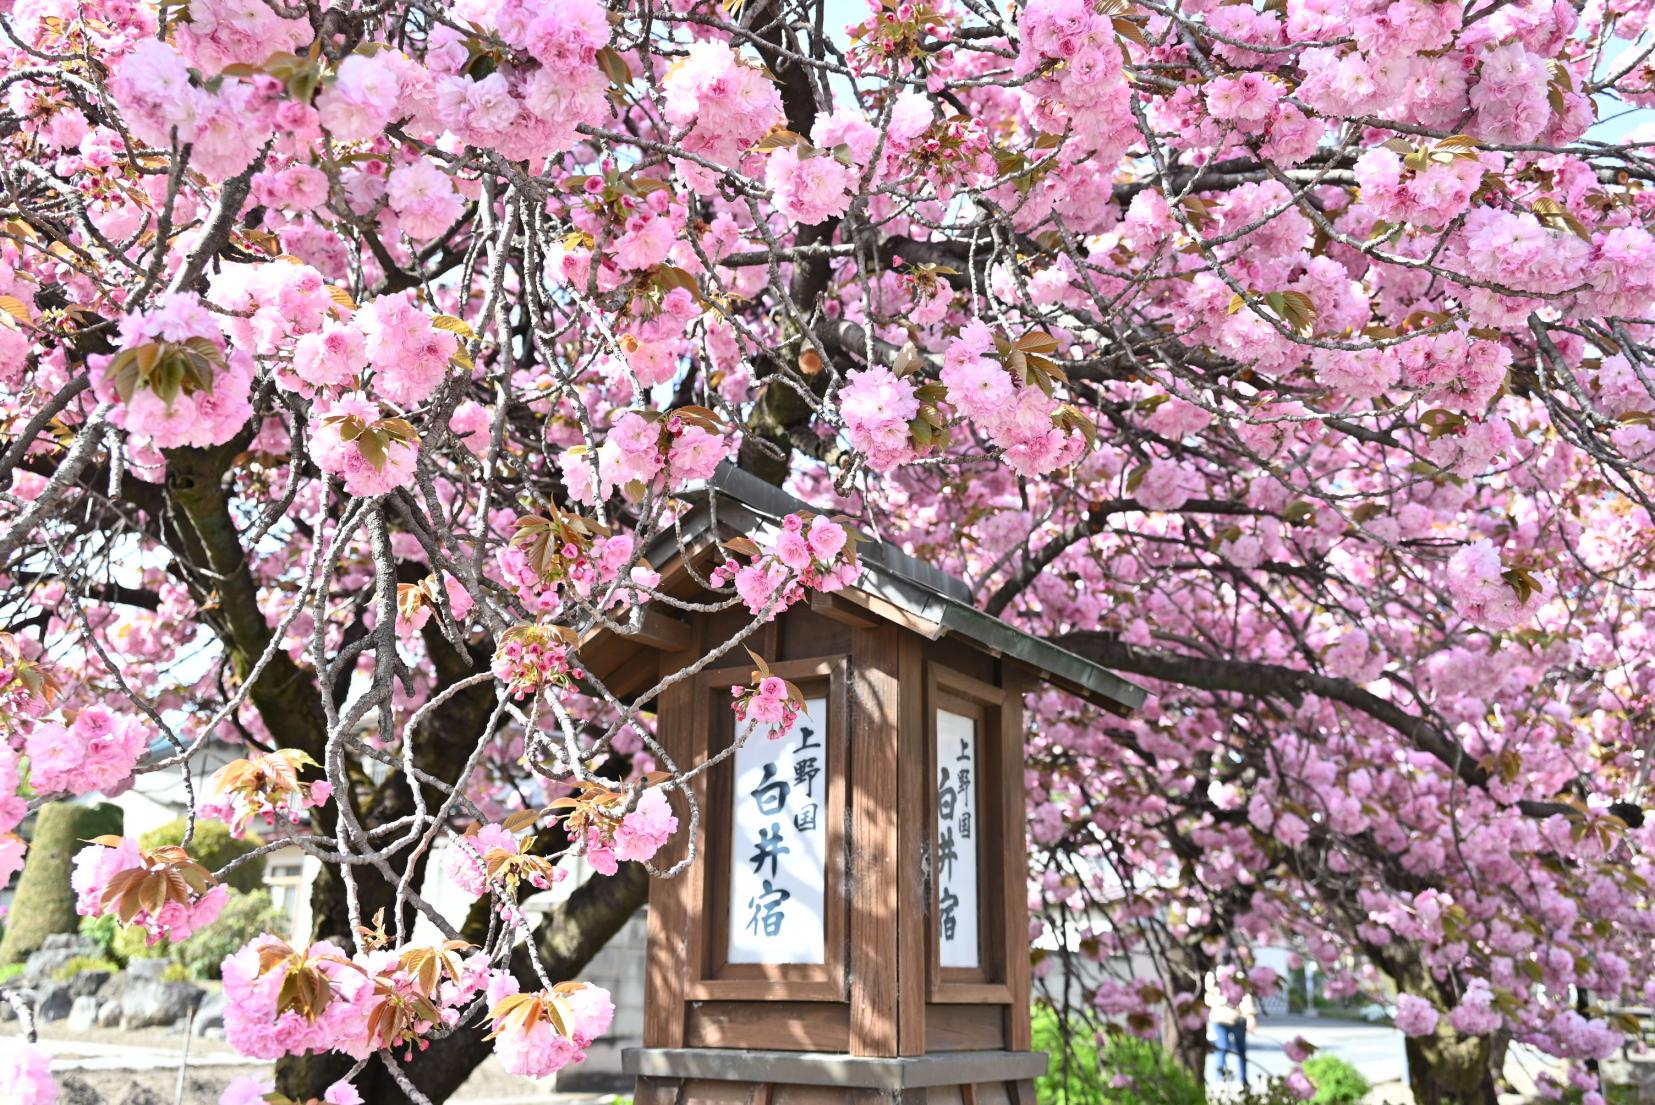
column 1375, row 1050
column 88, row 1055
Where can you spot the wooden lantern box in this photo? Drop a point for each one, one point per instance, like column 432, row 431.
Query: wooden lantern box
column 856, row 921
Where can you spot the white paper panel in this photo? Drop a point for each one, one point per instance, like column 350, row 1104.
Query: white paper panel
column 778, row 857
column 956, row 860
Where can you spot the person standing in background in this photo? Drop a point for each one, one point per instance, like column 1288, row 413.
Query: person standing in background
column 1231, row 1022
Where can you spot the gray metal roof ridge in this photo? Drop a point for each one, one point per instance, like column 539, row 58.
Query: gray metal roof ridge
column 755, row 493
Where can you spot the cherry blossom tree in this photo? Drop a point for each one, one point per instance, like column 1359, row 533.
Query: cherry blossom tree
column 1294, row 358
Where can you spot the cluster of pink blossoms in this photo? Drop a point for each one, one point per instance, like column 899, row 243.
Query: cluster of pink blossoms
column 416, row 601
column 96, row 751
column 98, row 882
column 530, row 658
column 809, row 186
column 467, row 861
column 387, row 351
column 1432, row 195
column 1072, row 50
column 161, row 104
column 640, row 220
column 219, row 33
column 409, row 354
column 287, row 1001
column 424, row 199
column 1021, row 420
column 249, row 1089
column 528, row 1044
column 634, row 836
column 581, row 567
column 724, row 105
column 259, row 1025
column 876, row 406
column 806, row 554
column 173, row 381
column 1485, row 592
column 1165, row 484
column 340, row 446
column 769, row 703
column 1415, row 1016
column 644, row 450
column 26, row 1072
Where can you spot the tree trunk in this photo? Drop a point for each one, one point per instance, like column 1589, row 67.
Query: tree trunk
column 1187, row 967
column 1448, row 1068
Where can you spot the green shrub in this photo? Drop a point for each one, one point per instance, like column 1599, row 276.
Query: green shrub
column 1336, row 1081
column 212, row 847
column 1152, row 1077
column 82, row 963
column 245, row 916
column 103, row 929
column 1072, row 1076
column 10, row 971
column 45, row 902
column 132, row 942
column 1084, row 1067
column 1275, row 1091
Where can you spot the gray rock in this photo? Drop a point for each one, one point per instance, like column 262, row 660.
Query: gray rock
column 115, row 987
column 147, row 1003
column 83, row 1015
column 64, row 941
column 73, row 1090
column 7, row 1013
column 109, row 1013
column 86, row 984
column 59, row 948
column 52, row 1001
column 148, row 968
column 210, row 1015
column 142, row 1095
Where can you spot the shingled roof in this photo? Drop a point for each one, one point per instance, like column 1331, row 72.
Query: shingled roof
column 893, row 585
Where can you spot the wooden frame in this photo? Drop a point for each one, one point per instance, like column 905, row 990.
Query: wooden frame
column 709, row 976
column 989, row 982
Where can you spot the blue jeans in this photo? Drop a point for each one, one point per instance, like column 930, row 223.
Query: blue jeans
column 1232, row 1039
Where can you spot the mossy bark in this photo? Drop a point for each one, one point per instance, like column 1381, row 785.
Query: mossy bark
column 1449, row 1068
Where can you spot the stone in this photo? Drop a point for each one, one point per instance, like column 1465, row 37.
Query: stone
column 109, row 1014
column 150, row 1004
column 115, row 987
column 142, row 1095
column 52, row 1001
column 83, row 1015
column 86, row 984
column 59, row 949
column 73, row 1090
column 148, row 968
column 210, row 1015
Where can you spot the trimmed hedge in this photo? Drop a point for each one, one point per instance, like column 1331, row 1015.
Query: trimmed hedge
column 45, row 903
